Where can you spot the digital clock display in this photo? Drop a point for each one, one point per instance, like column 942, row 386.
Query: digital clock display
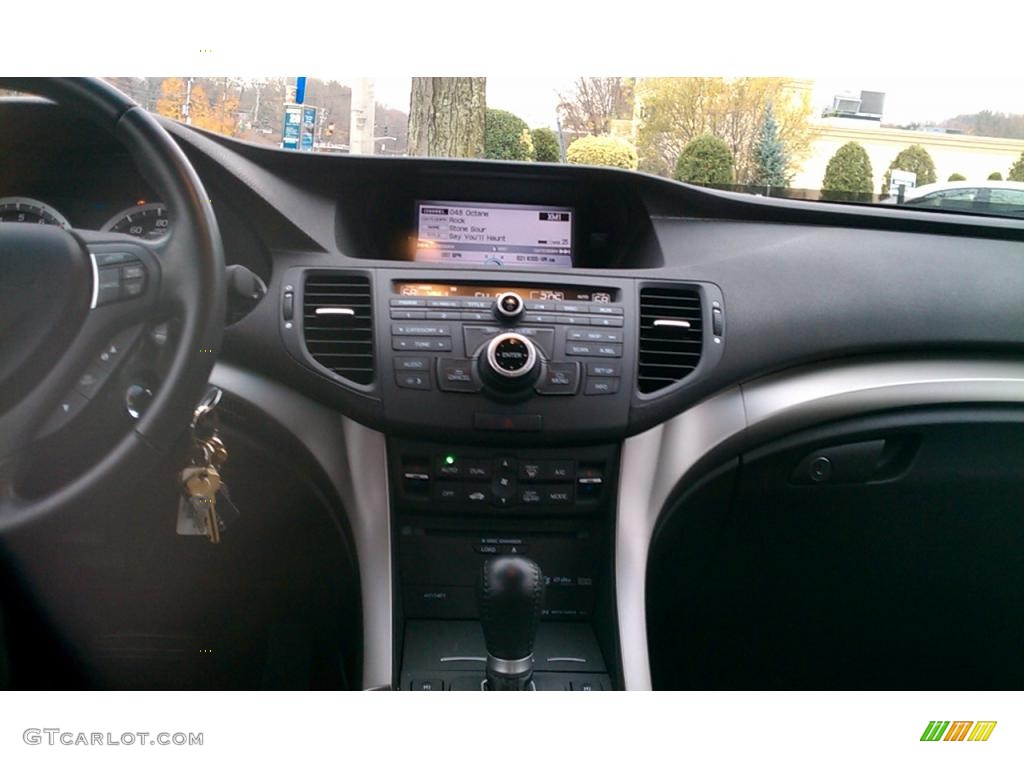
column 528, row 292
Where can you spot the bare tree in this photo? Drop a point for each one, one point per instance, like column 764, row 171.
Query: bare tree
column 446, row 116
column 592, row 105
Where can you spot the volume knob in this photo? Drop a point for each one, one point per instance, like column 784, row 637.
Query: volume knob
column 509, row 305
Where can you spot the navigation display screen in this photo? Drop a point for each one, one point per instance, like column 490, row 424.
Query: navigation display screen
column 495, row 234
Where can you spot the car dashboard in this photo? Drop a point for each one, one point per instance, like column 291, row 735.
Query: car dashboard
column 484, row 402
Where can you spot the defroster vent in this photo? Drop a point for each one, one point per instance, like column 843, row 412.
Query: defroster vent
column 337, row 323
column 671, row 336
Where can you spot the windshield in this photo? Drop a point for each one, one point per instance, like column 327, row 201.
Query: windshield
column 895, row 141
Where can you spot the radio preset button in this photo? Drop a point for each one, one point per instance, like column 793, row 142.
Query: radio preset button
column 607, row 322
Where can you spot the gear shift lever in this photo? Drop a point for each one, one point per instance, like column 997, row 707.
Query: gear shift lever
column 511, row 599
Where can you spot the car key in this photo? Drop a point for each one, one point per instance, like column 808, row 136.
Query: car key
column 202, row 485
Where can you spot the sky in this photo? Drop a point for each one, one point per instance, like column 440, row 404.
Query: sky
column 918, row 99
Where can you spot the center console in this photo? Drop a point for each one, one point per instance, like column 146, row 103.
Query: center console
column 505, row 399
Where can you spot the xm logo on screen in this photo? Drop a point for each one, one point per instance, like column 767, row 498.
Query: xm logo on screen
column 958, row 730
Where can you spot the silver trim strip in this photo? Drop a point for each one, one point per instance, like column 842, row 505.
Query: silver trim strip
column 95, row 280
column 510, row 667
column 573, row 659
column 446, row 659
column 335, row 311
column 355, row 460
column 672, row 323
column 654, row 462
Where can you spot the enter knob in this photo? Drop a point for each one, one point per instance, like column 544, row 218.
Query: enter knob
column 510, row 358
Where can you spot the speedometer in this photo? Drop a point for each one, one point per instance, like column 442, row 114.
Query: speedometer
column 28, row 211
column 148, row 221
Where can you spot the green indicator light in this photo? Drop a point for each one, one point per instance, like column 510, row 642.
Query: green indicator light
column 449, row 459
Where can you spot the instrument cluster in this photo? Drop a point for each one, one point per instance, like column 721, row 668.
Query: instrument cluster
column 145, row 220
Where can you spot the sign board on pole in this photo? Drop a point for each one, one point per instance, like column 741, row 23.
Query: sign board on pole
column 308, row 128
column 300, row 90
column 292, row 126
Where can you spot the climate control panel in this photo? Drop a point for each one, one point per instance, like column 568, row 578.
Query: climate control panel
column 436, row 480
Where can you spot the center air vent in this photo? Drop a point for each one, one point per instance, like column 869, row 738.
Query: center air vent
column 337, row 323
column 671, row 336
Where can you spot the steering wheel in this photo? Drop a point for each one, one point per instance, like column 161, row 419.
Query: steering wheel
column 64, row 295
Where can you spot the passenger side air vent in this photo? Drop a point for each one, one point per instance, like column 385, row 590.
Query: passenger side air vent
column 671, row 336
column 337, row 323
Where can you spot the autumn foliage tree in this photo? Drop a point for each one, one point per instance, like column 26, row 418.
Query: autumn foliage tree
column 677, row 110
column 172, row 98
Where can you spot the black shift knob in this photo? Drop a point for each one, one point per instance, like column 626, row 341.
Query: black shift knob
column 511, row 599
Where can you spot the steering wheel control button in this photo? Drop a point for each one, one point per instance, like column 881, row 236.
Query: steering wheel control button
column 67, row 409
column 509, row 305
column 559, row 379
column 90, row 382
column 106, row 259
column 109, row 286
column 599, row 386
column 456, row 375
column 408, row 380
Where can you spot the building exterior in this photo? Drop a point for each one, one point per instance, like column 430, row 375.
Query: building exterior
column 974, row 157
